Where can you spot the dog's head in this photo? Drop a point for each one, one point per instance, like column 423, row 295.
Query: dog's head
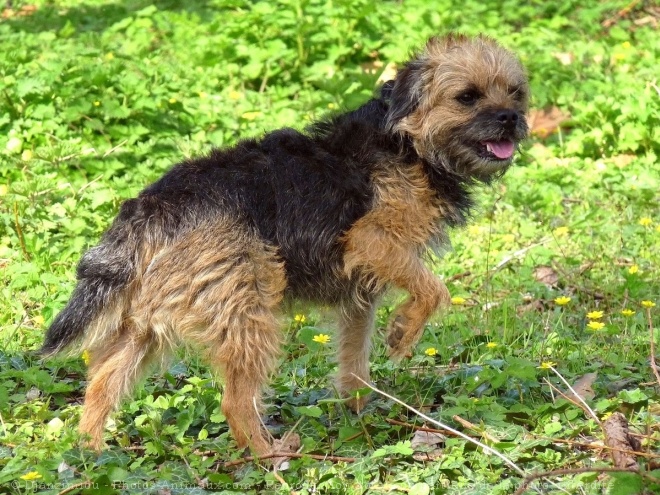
column 462, row 103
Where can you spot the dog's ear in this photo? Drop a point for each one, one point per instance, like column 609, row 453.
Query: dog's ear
column 403, row 95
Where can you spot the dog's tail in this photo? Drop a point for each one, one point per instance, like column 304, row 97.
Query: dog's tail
column 96, row 308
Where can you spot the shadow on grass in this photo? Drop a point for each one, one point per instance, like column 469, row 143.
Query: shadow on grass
column 97, row 18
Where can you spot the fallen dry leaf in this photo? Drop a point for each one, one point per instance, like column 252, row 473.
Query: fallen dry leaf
column 427, row 445
column 544, row 122
column 535, row 305
column 427, row 439
column 582, row 387
column 546, row 275
column 289, row 443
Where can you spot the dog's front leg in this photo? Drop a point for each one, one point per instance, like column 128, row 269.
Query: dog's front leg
column 382, row 260
column 427, row 293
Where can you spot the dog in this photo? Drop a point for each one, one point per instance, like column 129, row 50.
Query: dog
column 336, row 214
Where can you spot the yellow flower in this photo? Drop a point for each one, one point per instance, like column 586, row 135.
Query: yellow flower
column 250, row 115
column 561, row 231
column 595, row 325
column 645, row 221
column 633, row 269
column 321, row 338
column 595, row 315
column 26, row 156
column 97, row 103
column 235, row 95
column 202, row 95
column 332, row 106
column 491, row 345
column 458, row 300
column 562, row 300
column 431, row 351
column 299, row 318
column 626, row 44
column 627, row 312
column 474, row 230
column 605, row 416
column 172, row 101
column 648, row 304
column 546, row 365
column 508, row 238
column 31, row 476
column 109, row 56
column 85, row 357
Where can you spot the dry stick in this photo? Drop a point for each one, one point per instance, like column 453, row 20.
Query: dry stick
column 448, row 428
column 414, row 427
column 471, row 426
column 594, row 446
column 520, row 252
column 70, row 488
column 593, row 414
column 654, row 366
column 559, row 472
column 292, row 455
column 19, row 233
column 555, row 389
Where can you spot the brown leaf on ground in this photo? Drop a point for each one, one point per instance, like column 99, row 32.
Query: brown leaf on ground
column 546, row 275
column 427, row 445
column 535, row 305
column 582, row 387
column 543, row 122
column 618, row 438
column 24, row 11
column 289, row 443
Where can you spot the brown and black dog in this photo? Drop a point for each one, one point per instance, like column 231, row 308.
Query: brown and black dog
column 335, row 214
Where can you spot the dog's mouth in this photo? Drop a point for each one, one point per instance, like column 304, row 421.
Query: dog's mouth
column 496, row 150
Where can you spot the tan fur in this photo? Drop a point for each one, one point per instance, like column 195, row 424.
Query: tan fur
column 219, row 286
column 385, row 247
column 224, row 301
column 452, row 63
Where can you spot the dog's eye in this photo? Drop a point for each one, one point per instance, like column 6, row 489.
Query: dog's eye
column 517, row 93
column 468, row 97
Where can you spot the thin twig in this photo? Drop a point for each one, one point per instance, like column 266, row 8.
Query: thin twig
column 559, row 472
column 417, row 428
column 577, row 396
column 19, row 233
column 654, row 366
column 293, row 455
column 70, row 488
column 517, row 254
column 485, row 447
column 600, row 446
column 564, row 396
column 470, row 426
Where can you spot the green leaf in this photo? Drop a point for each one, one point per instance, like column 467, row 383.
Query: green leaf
column 625, row 484
column 419, row 489
column 310, row 411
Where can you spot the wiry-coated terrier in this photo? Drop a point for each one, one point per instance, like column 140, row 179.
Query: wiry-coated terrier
column 335, row 214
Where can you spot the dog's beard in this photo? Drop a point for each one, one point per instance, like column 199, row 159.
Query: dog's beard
column 482, row 149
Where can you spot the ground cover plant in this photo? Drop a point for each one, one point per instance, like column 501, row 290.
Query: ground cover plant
column 556, row 276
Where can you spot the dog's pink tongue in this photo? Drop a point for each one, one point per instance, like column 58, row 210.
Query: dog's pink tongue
column 501, row 149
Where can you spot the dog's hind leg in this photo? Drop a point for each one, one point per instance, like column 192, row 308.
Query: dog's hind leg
column 248, row 345
column 356, row 323
column 113, row 371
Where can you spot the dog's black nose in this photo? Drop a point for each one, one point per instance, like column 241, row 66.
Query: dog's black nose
column 508, row 118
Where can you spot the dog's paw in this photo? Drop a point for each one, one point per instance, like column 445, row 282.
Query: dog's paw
column 397, row 343
column 357, row 404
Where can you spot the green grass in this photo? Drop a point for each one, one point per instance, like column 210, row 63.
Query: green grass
column 98, row 99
